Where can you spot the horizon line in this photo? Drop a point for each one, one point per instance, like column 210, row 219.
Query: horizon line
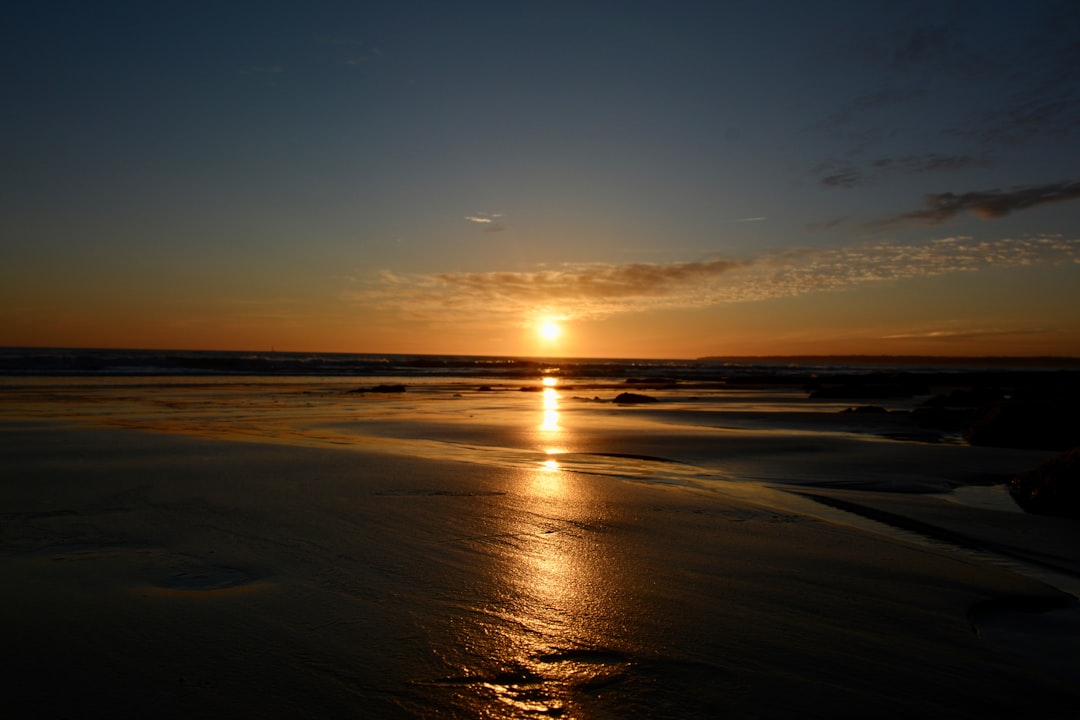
column 868, row 358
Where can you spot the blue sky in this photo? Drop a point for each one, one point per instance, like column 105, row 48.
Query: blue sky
column 666, row 180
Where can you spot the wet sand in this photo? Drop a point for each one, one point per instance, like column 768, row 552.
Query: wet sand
column 159, row 573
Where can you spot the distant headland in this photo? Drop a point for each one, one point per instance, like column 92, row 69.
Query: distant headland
column 1042, row 361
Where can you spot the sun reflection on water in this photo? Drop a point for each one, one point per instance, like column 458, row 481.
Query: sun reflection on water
column 550, row 397
column 556, row 620
column 552, row 603
column 550, row 427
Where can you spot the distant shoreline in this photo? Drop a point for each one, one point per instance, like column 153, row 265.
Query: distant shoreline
column 966, row 360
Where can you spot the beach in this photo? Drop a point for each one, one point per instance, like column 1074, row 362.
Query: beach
column 227, row 548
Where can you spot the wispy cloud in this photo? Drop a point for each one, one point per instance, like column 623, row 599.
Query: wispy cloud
column 1019, row 88
column 945, row 336
column 1044, row 71
column 489, row 221
column 869, row 102
column 834, row 173
column 847, row 174
column 597, row 290
column 987, row 204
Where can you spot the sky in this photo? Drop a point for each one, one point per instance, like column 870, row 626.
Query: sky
column 679, row 179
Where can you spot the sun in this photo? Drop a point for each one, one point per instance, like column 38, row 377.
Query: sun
column 549, row 330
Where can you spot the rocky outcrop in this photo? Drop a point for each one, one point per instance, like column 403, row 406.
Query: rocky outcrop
column 1052, row 488
column 381, row 389
column 865, row 410
column 873, row 387
column 1028, row 424
column 956, row 410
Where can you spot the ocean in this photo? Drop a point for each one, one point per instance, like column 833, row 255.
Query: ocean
column 120, row 362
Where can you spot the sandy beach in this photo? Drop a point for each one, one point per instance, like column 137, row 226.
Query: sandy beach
column 446, row 562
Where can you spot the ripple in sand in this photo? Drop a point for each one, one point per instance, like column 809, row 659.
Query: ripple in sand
column 208, row 578
column 438, row 493
column 144, row 565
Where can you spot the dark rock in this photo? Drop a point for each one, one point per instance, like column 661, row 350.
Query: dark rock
column 1026, row 424
column 627, row 398
column 858, row 391
column 945, row 419
column 966, row 398
column 384, row 389
column 1052, row 488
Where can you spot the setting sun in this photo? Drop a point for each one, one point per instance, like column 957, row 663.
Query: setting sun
column 549, row 330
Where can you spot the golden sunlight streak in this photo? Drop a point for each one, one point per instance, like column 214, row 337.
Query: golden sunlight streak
column 551, row 420
column 551, row 404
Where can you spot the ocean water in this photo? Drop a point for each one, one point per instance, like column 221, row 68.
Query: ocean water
column 493, row 409
column 706, row 422
column 106, row 362
column 741, row 426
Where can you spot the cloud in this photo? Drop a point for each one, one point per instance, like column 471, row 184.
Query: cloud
column 1040, row 98
column 488, row 220
column 965, row 80
column 868, row 102
column 1045, row 112
column 827, row 225
column 929, row 48
column 966, row 334
column 988, row 204
column 578, row 291
column 483, row 217
column 837, row 173
column 592, row 282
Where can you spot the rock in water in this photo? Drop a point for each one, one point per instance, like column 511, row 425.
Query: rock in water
column 628, row 398
column 1052, row 488
column 1044, row 424
column 380, row 389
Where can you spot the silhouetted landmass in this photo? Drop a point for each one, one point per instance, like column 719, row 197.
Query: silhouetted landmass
column 1046, row 361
